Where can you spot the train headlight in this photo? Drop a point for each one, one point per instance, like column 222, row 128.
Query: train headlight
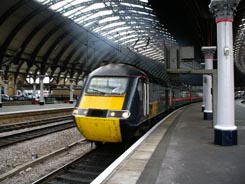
column 124, row 114
column 112, row 114
column 75, row 112
column 80, row 112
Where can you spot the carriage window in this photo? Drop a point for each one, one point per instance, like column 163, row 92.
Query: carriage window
column 142, row 93
column 140, row 90
column 107, row 85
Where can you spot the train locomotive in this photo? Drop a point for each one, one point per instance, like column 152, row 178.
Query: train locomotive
column 119, row 103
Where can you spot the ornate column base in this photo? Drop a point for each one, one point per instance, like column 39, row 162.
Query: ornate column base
column 41, row 103
column 1, row 105
column 208, row 115
column 225, row 137
column 71, row 102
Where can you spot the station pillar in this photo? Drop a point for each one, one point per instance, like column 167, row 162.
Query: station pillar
column 203, row 92
column 1, row 72
column 41, row 77
column 71, row 91
column 208, row 53
column 34, row 89
column 225, row 131
column 5, row 89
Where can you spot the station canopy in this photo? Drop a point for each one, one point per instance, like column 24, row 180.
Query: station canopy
column 65, row 39
column 239, row 45
column 130, row 23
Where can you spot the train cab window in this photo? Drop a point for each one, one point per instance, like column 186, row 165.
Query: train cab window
column 107, row 85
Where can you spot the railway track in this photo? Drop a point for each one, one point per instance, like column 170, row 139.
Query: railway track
column 28, row 124
column 32, row 115
column 36, row 132
column 86, row 168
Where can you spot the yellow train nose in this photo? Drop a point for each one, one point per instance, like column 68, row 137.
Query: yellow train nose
column 99, row 129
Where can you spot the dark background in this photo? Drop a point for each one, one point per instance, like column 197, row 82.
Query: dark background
column 191, row 23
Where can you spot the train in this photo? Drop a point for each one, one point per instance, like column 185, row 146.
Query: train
column 120, row 102
column 63, row 94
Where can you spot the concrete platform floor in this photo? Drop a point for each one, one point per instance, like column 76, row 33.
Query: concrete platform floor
column 183, row 152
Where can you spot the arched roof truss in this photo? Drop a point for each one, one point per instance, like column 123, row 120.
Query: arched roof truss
column 69, row 38
column 239, row 45
column 113, row 17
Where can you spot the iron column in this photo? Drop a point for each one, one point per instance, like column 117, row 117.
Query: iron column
column 41, row 77
column 71, row 91
column 5, row 89
column 208, row 53
column 225, row 130
column 203, row 93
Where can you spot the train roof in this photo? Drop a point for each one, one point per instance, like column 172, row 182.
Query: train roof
column 155, row 72
column 117, row 70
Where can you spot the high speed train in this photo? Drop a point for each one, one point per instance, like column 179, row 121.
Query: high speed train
column 120, row 103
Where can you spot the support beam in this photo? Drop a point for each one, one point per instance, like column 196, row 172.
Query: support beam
column 191, row 71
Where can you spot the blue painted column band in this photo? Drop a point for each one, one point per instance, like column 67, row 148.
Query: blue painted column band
column 207, row 115
column 225, row 137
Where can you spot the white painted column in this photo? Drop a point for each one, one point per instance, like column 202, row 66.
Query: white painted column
column 208, row 53
column 71, row 91
column 203, row 92
column 41, row 77
column 34, row 90
column 5, row 89
column 225, row 130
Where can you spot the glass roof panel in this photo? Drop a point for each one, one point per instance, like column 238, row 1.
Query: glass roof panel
column 112, row 25
column 58, row 5
column 132, row 5
column 131, row 22
column 95, row 6
column 108, row 19
column 99, row 14
column 75, row 2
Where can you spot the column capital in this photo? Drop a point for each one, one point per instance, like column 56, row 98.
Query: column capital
column 223, row 10
column 208, row 52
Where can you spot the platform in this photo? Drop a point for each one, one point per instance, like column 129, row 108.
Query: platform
column 181, row 151
column 25, row 108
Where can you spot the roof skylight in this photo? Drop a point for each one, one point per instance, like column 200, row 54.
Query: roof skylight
column 123, row 22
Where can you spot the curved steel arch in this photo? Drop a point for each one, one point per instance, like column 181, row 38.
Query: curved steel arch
column 122, row 9
column 31, row 35
column 37, row 56
column 68, row 43
column 11, row 10
column 17, row 28
column 48, row 36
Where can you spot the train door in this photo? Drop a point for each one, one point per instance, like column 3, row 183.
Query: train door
column 143, row 91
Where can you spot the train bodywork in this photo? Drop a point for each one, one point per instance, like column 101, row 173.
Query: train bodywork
column 119, row 102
